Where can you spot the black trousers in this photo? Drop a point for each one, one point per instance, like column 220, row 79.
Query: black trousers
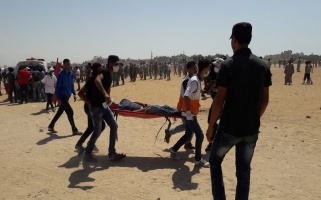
column 306, row 77
column 24, row 93
column 65, row 106
column 49, row 101
column 122, row 79
column 13, row 90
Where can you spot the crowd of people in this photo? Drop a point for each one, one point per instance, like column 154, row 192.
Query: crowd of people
column 142, row 71
column 26, row 86
column 32, row 84
column 314, row 63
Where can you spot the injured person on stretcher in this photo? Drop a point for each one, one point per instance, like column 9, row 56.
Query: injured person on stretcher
column 163, row 110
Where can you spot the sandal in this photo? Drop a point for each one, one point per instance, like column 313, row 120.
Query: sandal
column 52, row 130
column 77, row 133
column 116, row 156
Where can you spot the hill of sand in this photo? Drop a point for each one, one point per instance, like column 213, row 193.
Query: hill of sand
column 37, row 165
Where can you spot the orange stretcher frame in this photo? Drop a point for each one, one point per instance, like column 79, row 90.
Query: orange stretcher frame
column 141, row 114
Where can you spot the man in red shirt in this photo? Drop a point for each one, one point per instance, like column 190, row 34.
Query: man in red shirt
column 23, row 81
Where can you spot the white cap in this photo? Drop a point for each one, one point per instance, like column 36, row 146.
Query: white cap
column 218, row 62
column 51, row 69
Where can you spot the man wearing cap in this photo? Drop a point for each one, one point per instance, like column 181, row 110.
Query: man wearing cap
column 50, row 81
column 243, row 88
column 64, row 89
column 100, row 98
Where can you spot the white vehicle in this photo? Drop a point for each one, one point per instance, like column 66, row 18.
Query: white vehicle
column 33, row 63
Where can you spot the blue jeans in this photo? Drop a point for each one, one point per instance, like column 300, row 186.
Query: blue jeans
column 244, row 147
column 180, row 128
column 90, row 127
column 98, row 114
column 192, row 126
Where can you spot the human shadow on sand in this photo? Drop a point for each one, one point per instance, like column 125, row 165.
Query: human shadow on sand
column 40, row 112
column 52, row 136
column 82, row 175
column 181, row 178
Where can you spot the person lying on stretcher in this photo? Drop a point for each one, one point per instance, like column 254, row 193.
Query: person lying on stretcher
column 163, row 110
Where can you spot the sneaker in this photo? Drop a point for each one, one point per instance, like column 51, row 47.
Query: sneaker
column 202, row 163
column 208, row 148
column 76, row 133
column 52, row 130
column 80, row 148
column 167, row 136
column 116, row 156
column 173, row 154
column 90, row 158
column 189, row 146
column 96, row 149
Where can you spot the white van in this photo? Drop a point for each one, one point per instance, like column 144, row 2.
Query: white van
column 33, row 63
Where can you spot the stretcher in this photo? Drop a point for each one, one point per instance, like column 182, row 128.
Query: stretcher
column 143, row 115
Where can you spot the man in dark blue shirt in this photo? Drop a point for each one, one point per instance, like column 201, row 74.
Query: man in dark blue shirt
column 64, row 89
column 242, row 97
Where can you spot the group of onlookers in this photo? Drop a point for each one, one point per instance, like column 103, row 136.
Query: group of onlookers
column 289, row 71
column 26, row 85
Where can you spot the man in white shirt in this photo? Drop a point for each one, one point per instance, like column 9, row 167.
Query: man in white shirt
column 50, row 81
column 77, row 75
column 190, row 110
column 115, row 76
column 169, row 71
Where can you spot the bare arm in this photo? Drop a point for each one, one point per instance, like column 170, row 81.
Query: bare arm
column 186, row 102
column 264, row 101
column 141, row 104
column 101, row 88
column 217, row 107
column 83, row 97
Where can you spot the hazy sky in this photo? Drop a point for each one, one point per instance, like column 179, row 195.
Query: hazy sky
column 81, row 29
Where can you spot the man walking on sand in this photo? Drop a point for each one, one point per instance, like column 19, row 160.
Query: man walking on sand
column 64, row 89
column 242, row 97
column 191, row 69
column 99, row 111
column 190, row 110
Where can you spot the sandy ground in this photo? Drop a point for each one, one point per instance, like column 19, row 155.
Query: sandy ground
column 37, row 165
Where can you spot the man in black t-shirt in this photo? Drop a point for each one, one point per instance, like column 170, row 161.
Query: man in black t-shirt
column 100, row 98
column 242, row 97
column 85, row 95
